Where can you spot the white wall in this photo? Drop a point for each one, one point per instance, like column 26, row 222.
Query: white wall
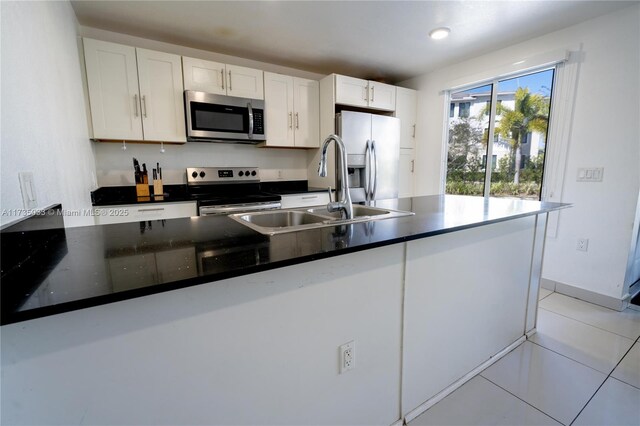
column 44, row 126
column 114, row 166
column 605, row 133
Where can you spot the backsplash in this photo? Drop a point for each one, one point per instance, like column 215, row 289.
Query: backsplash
column 114, row 166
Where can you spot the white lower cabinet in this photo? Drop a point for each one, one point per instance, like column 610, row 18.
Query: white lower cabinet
column 407, row 169
column 142, row 212
column 307, row 199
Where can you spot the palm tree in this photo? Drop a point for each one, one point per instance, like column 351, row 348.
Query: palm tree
column 530, row 114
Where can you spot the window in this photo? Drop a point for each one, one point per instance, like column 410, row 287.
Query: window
column 465, row 107
column 452, row 110
column 517, row 150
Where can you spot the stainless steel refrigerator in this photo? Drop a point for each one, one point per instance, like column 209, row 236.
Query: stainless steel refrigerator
column 373, row 154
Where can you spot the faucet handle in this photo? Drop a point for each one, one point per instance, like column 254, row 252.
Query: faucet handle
column 329, row 190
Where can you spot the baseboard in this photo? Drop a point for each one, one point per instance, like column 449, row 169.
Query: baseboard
column 586, row 295
column 470, row 375
column 398, row 423
column 531, row 333
column 548, row 284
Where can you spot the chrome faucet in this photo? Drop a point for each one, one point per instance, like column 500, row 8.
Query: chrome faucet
column 344, row 205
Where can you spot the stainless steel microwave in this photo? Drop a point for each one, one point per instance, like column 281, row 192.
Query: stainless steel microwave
column 220, row 118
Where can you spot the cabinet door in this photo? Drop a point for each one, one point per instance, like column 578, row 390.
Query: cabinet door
column 406, row 103
column 352, row 91
column 112, row 80
column 382, row 96
column 204, row 76
column 160, row 76
column 306, row 102
column 407, row 165
column 307, row 199
column 278, row 100
column 143, row 212
column 244, row 82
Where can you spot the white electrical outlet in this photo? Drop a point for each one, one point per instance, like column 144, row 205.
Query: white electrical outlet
column 29, row 198
column 583, row 244
column 347, row 356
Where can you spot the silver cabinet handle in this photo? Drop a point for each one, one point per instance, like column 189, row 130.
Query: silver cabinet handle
column 151, row 210
column 365, row 90
column 413, row 163
column 135, row 105
column 222, row 78
column 310, row 197
column 291, row 120
column 230, row 80
column 372, row 92
column 297, row 121
column 144, row 106
column 250, row 115
column 375, row 173
column 329, row 190
column 414, row 131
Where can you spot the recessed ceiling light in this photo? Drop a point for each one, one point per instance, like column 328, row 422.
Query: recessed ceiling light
column 519, row 62
column 439, row 33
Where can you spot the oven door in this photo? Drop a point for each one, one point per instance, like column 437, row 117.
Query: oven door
column 223, row 118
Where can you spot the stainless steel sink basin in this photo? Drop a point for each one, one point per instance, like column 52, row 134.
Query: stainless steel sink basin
column 280, row 221
column 281, row 218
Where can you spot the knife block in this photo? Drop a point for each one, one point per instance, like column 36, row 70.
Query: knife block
column 157, row 187
column 142, row 190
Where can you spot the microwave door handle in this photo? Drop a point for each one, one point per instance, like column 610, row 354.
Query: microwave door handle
column 250, row 120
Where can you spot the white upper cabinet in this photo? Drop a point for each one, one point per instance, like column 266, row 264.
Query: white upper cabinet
column 306, row 117
column 382, row 96
column 364, row 93
column 292, row 111
column 352, row 91
column 134, row 94
column 161, row 95
column 406, row 107
column 278, row 98
column 112, row 80
column 222, row 79
column 204, row 76
column 244, row 82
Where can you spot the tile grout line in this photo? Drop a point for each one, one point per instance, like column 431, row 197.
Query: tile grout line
column 517, row 397
column 574, row 360
column 594, row 326
column 599, row 387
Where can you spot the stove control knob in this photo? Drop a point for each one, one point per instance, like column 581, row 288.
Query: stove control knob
column 253, row 173
column 194, row 174
column 241, row 174
column 247, row 173
column 202, row 174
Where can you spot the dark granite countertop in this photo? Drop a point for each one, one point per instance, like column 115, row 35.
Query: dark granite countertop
column 122, row 195
column 47, row 269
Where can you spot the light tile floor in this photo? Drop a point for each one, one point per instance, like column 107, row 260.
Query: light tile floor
column 582, row 367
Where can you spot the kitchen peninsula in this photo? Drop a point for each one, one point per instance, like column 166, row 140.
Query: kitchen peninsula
column 239, row 327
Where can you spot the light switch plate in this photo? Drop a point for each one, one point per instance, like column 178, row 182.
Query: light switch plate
column 29, row 198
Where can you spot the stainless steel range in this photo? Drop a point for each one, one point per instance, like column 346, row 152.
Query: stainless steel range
column 225, row 190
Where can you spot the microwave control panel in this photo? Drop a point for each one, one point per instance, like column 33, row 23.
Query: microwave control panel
column 258, row 122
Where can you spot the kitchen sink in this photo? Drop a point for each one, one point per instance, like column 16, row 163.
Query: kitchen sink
column 290, row 220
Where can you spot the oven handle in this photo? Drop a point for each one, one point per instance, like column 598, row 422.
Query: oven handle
column 250, row 120
column 208, row 211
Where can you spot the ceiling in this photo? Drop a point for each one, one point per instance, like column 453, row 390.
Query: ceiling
column 383, row 40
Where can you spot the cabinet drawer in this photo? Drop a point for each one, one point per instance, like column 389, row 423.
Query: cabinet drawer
column 135, row 213
column 304, row 200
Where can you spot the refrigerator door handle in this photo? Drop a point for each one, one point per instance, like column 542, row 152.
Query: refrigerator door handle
column 374, row 174
column 367, row 171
